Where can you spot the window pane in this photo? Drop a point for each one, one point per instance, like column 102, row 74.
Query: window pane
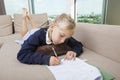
column 51, row 7
column 89, row 11
column 15, row 6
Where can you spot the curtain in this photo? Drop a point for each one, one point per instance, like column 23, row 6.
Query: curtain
column 2, row 8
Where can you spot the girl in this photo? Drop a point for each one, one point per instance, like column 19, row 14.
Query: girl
column 60, row 31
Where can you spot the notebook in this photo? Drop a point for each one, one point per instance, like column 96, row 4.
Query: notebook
column 75, row 70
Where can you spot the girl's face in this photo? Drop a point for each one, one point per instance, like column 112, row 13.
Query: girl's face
column 60, row 34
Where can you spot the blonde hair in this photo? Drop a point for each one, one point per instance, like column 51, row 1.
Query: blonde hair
column 65, row 20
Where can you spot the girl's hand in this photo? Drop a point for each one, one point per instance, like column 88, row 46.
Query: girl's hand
column 54, row 61
column 70, row 55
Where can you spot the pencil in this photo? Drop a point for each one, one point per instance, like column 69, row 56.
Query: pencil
column 54, row 52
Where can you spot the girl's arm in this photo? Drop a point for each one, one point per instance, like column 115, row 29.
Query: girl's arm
column 27, row 53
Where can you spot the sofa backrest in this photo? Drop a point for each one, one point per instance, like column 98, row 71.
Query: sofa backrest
column 5, row 25
column 41, row 20
column 102, row 39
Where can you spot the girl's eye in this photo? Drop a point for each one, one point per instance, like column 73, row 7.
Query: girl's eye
column 61, row 35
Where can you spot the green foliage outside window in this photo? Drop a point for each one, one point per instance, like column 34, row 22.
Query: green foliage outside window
column 91, row 18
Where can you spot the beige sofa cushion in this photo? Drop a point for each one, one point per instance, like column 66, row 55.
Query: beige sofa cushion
column 102, row 62
column 102, row 39
column 5, row 25
column 41, row 20
column 12, row 69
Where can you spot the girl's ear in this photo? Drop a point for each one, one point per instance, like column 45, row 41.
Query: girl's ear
column 52, row 25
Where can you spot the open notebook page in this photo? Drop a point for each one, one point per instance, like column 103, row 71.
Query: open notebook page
column 75, row 70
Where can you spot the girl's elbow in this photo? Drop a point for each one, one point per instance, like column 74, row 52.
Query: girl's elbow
column 20, row 59
column 79, row 53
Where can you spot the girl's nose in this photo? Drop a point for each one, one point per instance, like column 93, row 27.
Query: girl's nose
column 62, row 40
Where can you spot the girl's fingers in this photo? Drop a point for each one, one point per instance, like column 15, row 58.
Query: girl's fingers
column 65, row 58
column 57, row 61
column 70, row 55
column 74, row 56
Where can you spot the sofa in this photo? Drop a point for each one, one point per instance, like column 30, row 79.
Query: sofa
column 101, row 48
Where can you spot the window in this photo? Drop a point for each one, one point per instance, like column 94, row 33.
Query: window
column 15, row 6
column 89, row 11
column 51, row 7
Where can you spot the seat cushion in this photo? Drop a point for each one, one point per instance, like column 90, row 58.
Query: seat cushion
column 12, row 69
column 102, row 62
column 10, row 38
